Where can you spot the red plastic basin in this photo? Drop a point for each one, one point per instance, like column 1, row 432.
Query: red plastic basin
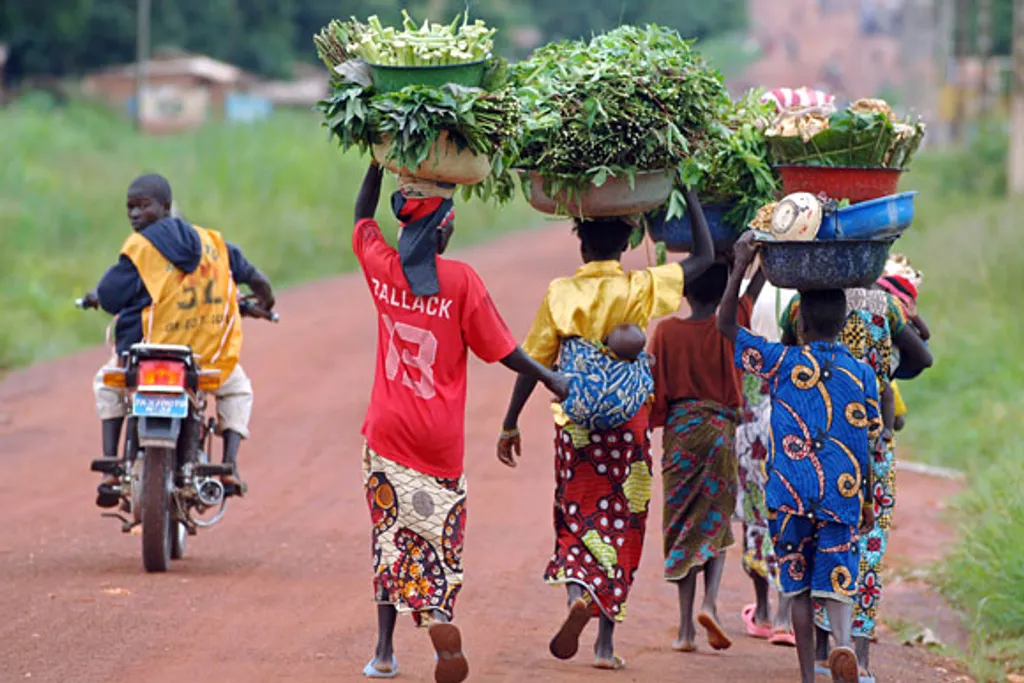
column 855, row 184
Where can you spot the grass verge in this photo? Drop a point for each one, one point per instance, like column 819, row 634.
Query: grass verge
column 966, row 238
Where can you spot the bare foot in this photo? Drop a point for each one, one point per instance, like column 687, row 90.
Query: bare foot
column 680, row 645
column 614, row 663
column 717, row 638
column 451, row 666
column 566, row 642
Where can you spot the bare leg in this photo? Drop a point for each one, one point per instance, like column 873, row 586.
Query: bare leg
column 803, row 629
column 604, row 647
column 713, row 571
column 383, row 656
column 687, row 594
column 821, row 644
column 708, row 617
column 783, row 614
column 761, row 614
column 840, row 617
column 862, row 646
column 842, row 661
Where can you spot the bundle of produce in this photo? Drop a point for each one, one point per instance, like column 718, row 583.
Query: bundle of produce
column 730, row 168
column 867, row 134
column 623, row 109
column 811, row 242
column 426, row 126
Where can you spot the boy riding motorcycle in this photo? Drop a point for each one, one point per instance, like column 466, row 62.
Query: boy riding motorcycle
column 175, row 283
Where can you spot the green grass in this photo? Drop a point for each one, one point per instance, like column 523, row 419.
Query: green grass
column 278, row 189
column 964, row 411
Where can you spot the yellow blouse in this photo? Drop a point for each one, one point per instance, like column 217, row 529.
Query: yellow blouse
column 597, row 298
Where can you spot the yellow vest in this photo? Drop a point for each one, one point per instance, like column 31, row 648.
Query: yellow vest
column 197, row 309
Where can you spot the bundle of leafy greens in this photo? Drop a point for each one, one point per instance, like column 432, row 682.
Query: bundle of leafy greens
column 866, row 135
column 729, row 165
column 632, row 100
column 414, row 45
column 484, row 120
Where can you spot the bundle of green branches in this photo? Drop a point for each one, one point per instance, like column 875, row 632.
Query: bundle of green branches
column 484, row 120
column 730, row 164
column 865, row 135
column 628, row 101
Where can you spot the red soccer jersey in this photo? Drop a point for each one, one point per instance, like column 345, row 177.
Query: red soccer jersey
column 417, row 410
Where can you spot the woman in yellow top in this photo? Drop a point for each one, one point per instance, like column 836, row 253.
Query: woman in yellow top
column 602, row 478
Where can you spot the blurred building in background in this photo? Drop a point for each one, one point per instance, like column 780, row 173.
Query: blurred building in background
column 182, row 91
column 851, row 48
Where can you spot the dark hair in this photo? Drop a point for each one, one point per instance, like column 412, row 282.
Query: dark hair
column 824, row 311
column 152, row 185
column 604, row 238
column 709, row 287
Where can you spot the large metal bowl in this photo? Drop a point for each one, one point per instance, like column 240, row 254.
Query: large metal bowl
column 827, row 264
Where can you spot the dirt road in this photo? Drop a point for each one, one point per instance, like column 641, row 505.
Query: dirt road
column 280, row 590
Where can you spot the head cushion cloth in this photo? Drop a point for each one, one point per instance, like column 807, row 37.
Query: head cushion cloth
column 421, row 217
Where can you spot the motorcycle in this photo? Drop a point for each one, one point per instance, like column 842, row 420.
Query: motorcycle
column 166, row 482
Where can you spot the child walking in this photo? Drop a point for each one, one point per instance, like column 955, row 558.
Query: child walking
column 602, row 473
column 825, row 412
column 697, row 399
column 431, row 311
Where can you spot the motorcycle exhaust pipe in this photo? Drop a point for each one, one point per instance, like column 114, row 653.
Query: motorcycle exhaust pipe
column 210, row 491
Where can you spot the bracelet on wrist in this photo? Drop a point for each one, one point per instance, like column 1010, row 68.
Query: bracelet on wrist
column 509, row 433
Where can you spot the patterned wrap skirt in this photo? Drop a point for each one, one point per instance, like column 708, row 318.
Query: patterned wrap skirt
column 753, row 440
column 602, row 495
column 872, row 550
column 698, row 472
column 418, row 527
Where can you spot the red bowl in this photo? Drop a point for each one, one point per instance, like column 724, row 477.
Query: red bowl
column 855, row 184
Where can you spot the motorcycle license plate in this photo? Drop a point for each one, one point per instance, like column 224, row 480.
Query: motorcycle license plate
column 151, row 405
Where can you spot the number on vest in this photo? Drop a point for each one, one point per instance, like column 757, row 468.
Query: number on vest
column 400, row 360
column 190, row 300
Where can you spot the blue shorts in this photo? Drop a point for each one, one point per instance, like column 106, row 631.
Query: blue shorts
column 816, row 556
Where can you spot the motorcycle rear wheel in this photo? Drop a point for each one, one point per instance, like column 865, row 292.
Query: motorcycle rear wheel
column 157, row 525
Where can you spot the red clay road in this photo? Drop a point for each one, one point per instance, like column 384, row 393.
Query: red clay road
column 280, row 590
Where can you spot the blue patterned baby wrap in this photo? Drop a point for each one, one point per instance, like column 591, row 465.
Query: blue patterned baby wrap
column 604, row 393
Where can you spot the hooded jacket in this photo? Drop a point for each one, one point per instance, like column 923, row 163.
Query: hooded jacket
column 121, row 291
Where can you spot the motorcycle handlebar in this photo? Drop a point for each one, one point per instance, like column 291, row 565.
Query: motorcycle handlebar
column 247, row 307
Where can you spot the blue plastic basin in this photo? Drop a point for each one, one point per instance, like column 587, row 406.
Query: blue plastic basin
column 867, row 220
column 677, row 234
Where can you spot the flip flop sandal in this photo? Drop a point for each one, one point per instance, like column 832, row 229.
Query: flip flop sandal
column 717, row 638
column 842, row 664
column 566, row 642
column 866, row 677
column 784, row 638
column 821, row 669
column 450, row 665
column 614, row 664
column 755, row 630
column 371, row 671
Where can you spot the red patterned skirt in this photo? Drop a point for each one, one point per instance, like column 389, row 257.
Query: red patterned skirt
column 602, row 493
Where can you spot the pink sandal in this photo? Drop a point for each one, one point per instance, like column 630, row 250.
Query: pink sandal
column 784, row 638
column 762, row 631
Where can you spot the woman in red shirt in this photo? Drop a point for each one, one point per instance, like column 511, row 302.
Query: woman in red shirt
column 431, row 311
